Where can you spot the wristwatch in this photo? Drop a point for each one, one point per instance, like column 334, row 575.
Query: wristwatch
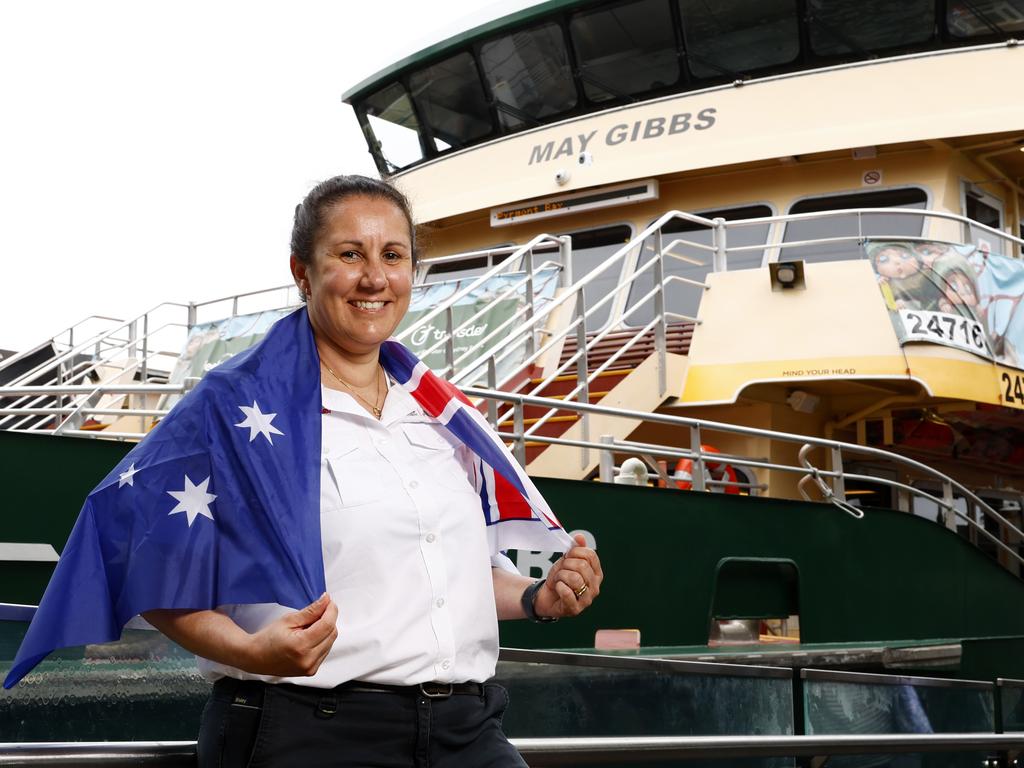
column 527, row 601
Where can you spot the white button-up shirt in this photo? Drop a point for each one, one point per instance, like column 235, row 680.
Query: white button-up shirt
column 405, row 552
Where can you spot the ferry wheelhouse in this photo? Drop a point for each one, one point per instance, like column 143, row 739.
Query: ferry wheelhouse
column 763, row 258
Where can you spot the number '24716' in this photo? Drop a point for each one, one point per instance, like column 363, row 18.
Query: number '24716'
column 1013, row 388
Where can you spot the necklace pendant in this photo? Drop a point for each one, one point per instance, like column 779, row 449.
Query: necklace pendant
column 376, row 411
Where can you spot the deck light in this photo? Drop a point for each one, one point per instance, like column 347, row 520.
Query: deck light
column 786, row 275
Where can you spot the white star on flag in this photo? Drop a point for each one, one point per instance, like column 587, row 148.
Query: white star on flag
column 258, row 422
column 193, row 500
column 127, row 477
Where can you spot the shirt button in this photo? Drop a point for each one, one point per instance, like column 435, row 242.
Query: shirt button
column 430, row 538
column 414, row 484
column 382, row 442
column 446, row 664
column 440, row 602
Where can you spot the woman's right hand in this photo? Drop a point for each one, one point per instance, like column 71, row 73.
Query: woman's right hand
column 297, row 643
column 294, row 645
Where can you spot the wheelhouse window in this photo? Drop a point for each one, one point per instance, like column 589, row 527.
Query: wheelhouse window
column 529, row 75
column 473, row 266
column 984, row 18
column 391, row 126
column 729, row 38
column 838, row 237
column 452, row 101
column 687, row 254
column 625, row 49
column 845, row 27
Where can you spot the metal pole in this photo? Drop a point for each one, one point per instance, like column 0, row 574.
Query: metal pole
column 721, row 260
column 948, row 515
column 144, row 373
column 132, row 337
column 520, row 444
column 838, row 483
column 660, row 332
column 582, row 371
column 565, row 255
column 449, row 343
column 531, row 339
column 492, row 383
column 697, row 471
column 607, row 465
column 191, row 315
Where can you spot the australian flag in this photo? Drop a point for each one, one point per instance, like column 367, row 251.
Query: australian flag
column 220, row 503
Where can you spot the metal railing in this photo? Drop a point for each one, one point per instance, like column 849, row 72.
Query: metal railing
column 74, row 385
column 545, row 752
column 829, row 481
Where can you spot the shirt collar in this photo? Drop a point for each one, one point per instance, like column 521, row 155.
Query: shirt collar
column 397, row 404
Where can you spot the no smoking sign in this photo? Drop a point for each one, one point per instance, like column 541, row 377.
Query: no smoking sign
column 871, row 178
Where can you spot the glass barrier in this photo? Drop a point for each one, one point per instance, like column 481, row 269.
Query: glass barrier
column 1010, row 697
column 853, row 703
column 145, row 688
column 142, row 688
column 570, row 695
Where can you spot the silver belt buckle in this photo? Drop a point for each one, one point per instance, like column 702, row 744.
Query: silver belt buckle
column 439, row 695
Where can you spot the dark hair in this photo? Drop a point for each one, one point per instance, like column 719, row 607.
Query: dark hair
column 309, row 214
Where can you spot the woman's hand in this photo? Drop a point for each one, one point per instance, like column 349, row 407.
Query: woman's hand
column 573, row 582
column 294, row 645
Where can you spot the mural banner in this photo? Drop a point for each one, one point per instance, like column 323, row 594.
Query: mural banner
column 497, row 300
column 961, row 296
column 210, row 344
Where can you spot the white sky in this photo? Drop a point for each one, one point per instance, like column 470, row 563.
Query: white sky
column 154, row 151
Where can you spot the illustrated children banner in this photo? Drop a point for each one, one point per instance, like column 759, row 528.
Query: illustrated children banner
column 961, row 296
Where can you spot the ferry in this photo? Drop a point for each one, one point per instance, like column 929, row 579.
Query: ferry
column 740, row 284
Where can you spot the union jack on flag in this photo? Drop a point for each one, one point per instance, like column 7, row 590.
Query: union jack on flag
column 507, row 494
column 209, row 510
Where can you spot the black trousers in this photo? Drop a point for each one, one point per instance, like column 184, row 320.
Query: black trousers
column 253, row 724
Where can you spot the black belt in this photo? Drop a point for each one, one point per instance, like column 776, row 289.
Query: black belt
column 250, row 692
column 431, row 690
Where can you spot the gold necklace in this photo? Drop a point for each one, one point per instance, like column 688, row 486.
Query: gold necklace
column 373, row 406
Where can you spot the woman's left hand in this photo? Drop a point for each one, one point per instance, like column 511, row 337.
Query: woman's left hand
column 573, row 582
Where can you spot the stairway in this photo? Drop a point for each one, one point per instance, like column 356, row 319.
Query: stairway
column 630, row 382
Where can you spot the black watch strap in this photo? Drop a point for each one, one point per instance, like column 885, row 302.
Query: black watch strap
column 527, row 601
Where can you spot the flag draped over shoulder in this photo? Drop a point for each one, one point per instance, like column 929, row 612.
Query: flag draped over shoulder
column 220, row 503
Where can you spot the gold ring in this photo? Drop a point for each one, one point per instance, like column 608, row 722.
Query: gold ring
column 579, row 592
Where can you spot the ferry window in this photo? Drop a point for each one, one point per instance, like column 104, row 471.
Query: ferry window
column 849, row 226
column 590, row 249
column 529, row 75
column 731, row 37
column 843, row 27
column 625, row 49
column 392, row 121
column 985, row 209
column 680, row 240
column 452, row 102
column 982, row 18
column 456, row 270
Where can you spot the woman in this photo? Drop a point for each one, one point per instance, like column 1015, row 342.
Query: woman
column 387, row 667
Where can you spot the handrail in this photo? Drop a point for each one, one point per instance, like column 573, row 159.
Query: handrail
column 543, row 752
column 698, row 455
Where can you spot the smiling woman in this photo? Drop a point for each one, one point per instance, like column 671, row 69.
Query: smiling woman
column 377, row 670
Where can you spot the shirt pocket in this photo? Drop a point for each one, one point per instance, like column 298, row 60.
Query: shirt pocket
column 438, row 456
column 358, row 474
